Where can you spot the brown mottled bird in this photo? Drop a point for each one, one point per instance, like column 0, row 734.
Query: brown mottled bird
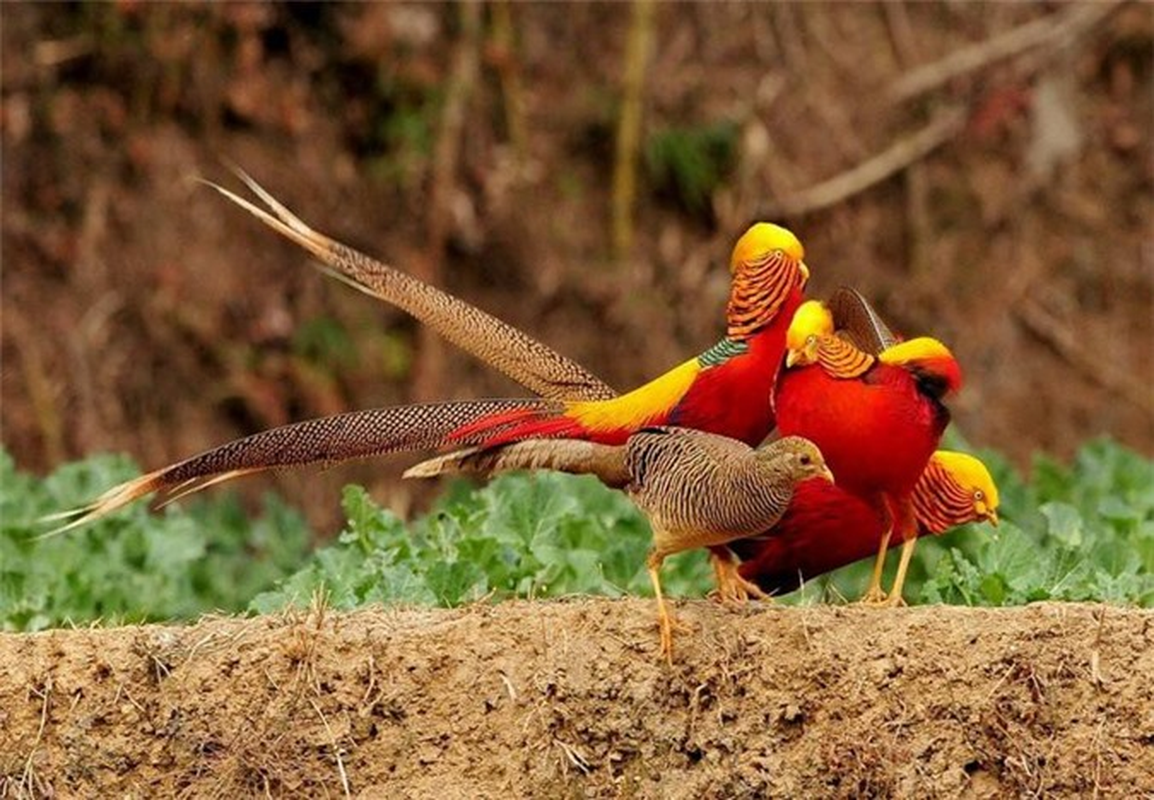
column 697, row 489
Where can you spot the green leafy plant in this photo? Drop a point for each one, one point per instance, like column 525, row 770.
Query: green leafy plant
column 541, row 535
column 134, row 566
column 1084, row 532
column 1078, row 532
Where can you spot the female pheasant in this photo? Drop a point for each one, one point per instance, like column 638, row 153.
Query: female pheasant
column 697, row 489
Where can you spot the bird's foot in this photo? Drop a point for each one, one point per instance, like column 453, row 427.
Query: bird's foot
column 736, row 590
column 875, row 596
column 894, row 601
column 732, row 589
column 668, row 623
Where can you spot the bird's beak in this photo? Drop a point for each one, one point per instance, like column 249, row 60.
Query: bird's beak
column 992, row 517
column 828, row 475
column 792, row 357
column 804, row 270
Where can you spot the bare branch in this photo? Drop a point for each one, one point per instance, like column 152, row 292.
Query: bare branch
column 901, row 154
column 1064, row 341
column 1053, row 30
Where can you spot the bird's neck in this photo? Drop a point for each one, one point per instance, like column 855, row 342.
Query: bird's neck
column 841, row 359
column 940, row 502
column 763, row 293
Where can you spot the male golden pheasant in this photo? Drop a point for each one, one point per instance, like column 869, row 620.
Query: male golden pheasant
column 697, row 489
column 726, row 390
column 827, row 527
column 877, row 419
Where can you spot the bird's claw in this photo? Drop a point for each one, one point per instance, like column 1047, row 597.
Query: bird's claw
column 738, row 592
column 732, row 588
column 668, row 624
column 875, row 596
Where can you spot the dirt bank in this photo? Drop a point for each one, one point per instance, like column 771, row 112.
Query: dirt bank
column 569, row 699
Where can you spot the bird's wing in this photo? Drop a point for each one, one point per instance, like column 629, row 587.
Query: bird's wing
column 854, row 317
column 531, row 363
column 708, row 487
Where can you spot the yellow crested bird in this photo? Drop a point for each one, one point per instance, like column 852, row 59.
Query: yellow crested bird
column 878, row 418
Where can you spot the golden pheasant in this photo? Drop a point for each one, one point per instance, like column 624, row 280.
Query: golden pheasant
column 725, row 390
column 697, row 489
column 827, row 527
column 877, row 418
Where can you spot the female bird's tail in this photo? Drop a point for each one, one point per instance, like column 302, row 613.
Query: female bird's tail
column 575, row 456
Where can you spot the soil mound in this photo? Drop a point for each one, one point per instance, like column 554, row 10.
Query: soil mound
column 569, row 699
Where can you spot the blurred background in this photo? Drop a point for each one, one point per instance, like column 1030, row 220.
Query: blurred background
column 983, row 172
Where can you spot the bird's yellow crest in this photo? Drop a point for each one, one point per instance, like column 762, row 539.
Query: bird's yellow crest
column 929, row 356
column 971, row 474
column 810, row 322
column 912, row 351
column 763, row 238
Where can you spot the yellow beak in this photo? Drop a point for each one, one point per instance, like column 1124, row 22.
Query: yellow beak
column 792, row 357
column 804, row 270
column 992, row 517
column 827, row 474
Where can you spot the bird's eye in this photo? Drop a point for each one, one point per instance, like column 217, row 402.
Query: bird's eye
column 979, row 495
column 806, row 460
column 778, row 252
column 811, row 339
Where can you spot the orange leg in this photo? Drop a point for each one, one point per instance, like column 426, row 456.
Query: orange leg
column 904, row 523
column 874, row 594
column 664, row 618
column 895, row 596
column 731, row 587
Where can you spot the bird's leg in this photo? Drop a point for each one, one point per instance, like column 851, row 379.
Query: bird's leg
column 665, row 619
column 908, row 523
column 874, row 594
column 731, row 587
column 895, row 596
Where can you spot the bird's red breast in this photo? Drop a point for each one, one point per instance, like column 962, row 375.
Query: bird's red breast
column 876, row 432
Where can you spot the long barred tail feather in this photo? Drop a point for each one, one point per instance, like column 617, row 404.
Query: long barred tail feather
column 531, row 363
column 322, row 441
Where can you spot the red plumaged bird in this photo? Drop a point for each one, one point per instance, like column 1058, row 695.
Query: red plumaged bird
column 877, row 419
column 827, row 527
column 726, row 390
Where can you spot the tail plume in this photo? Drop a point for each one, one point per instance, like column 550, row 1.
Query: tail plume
column 322, row 441
column 578, row 457
column 531, row 363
